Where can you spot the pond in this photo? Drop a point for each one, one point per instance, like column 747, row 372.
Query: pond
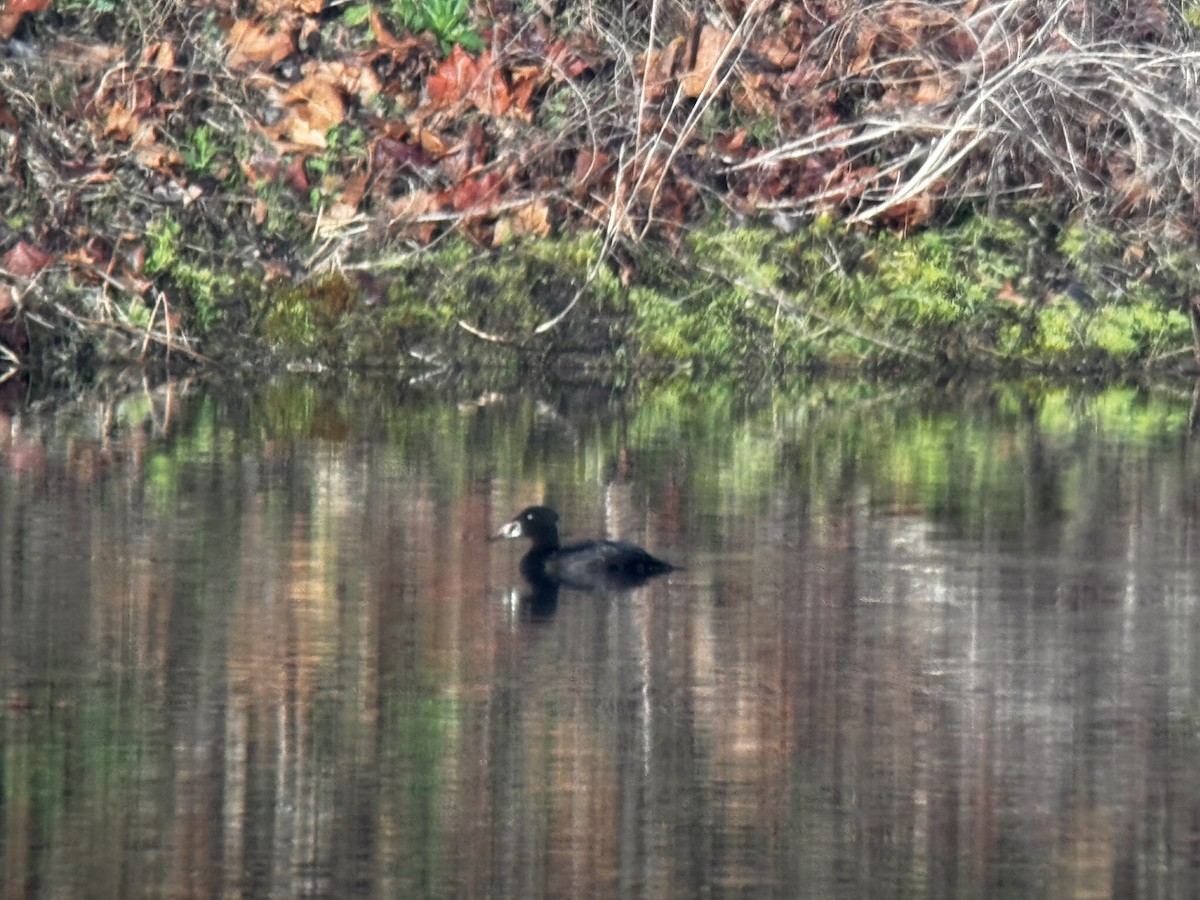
column 933, row 641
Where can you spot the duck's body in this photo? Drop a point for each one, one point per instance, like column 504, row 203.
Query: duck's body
column 582, row 565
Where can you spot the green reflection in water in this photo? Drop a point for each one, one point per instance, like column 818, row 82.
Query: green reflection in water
column 274, row 655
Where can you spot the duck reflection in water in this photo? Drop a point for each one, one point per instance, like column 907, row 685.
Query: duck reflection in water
column 597, row 566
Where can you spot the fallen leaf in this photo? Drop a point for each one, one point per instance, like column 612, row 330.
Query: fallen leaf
column 590, row 167
column 296, row 177
column 121, row 122
column 1009, row 295
column 288, row 7
column 8, row 121
column 253, row 46
column 346, row 206
column 13, row 10
column 489, row 92
column 532, row 219
column 413, row 205
column 316, row 105
column 711, row 49
column 25, row 260
column 525, row 80
column 353, row 80
column 449, row 83
column 159, row 55
column 480, row 193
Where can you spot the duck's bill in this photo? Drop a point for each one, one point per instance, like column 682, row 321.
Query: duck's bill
column 510, row 530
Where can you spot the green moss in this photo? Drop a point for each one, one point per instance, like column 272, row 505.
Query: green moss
column 199, row 288
column 743, row 301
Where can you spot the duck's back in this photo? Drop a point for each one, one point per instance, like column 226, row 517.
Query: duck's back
column 599, row 564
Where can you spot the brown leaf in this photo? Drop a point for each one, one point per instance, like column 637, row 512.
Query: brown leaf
column 353, row 80
column 121, row 122
column 525, row 80
column 10, row 18
column 287, row 8
column 489, row 92
column 316, row 106
column 159, row 55
column 8, row 121
column 296, row 177
column 480, row 193
column 25, row 260
column 398, row 47
column 1008, row 294
column 450, row 82
column 589, row 168
column 433, row 144
column 253, row 46
column 531, row 219
column 711, row 48
column 346, row 205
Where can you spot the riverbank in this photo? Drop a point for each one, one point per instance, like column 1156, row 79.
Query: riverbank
column 760, row 190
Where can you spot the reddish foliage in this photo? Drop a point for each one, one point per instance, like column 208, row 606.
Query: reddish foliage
column 25, row 260
column 10, row 17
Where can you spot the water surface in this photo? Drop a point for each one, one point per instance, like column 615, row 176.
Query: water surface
column 923, row 642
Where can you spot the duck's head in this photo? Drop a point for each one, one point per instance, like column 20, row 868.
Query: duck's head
column 538, row 523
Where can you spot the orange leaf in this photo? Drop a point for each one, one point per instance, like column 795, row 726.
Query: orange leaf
column 525, row 80
column 122, row 122
column 25, row 260
column 432, row 143
column 10, row 18
column 453, row 77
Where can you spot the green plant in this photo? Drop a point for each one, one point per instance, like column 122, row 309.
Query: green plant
column 447, row 20
column 197, row 284
column 94, row 6
column 200, row 151
column 339, row 143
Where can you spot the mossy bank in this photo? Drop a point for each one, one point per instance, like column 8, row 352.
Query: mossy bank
column 983, row 294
